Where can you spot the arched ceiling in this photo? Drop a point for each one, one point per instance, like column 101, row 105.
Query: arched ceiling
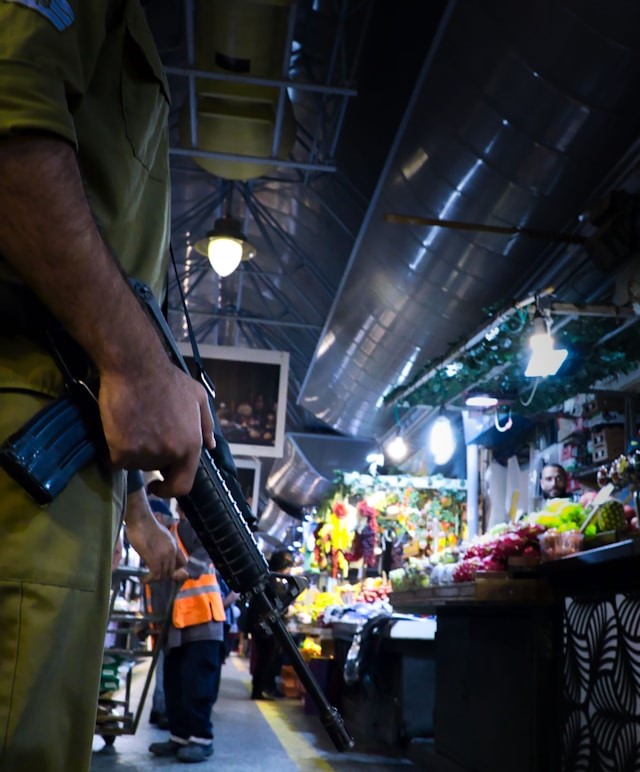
column 486, row 111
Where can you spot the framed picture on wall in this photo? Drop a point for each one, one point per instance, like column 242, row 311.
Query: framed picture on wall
column 251, row 395
column 249, row 478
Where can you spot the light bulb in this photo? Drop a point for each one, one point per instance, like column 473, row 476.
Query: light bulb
column 481, row 401
column 224, row 255
column 441, row 440
column 397, row 449
column 545, row 359
column 540, row 342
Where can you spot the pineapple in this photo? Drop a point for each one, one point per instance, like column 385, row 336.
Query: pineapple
column 610, row 516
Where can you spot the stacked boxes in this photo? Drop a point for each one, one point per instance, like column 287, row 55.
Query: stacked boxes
column 605, row 417
column 603, row 409
column 607, row 443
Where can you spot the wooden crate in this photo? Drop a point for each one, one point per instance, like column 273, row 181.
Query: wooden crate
column 290, row 683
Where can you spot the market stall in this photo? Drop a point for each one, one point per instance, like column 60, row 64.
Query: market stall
column 366, row 656
column 371, row 525
column 525, row 621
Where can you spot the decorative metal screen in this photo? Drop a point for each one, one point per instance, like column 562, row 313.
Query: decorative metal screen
column 601, row 684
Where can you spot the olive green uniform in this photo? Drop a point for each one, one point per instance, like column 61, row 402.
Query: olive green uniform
column 87, row 71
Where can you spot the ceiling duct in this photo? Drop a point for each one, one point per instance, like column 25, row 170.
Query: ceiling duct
column 520, row 117
column 276, row 527
column 240, row 41
column 304, row 474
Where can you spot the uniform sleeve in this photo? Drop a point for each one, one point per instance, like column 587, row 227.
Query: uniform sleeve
column 48, row 52
column 135, row 480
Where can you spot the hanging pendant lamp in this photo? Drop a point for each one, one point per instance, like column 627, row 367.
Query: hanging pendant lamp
column 226, row 246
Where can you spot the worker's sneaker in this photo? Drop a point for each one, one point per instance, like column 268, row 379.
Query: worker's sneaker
column 262, row 696
column 192, row 753
column 166, row 748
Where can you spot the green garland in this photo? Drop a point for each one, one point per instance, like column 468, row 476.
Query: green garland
column 497, row 364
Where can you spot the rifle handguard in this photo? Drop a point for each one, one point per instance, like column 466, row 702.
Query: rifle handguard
column 224, row 534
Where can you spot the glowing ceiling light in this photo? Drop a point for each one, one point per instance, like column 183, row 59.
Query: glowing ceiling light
column 481, row 400
column 442, row 443
column 397, row 449
column 226, row 246
column 545, row 358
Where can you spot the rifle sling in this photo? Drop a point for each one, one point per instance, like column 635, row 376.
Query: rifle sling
column 22, row 313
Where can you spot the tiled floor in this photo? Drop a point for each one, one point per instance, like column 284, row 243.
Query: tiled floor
column 258, row 736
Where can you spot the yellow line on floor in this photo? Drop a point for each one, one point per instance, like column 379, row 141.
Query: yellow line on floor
column 301, row 752
column 238, row 664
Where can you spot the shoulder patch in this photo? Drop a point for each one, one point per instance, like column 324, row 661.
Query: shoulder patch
column 58, row 12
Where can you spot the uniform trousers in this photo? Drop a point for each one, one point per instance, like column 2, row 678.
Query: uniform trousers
column 55, row 570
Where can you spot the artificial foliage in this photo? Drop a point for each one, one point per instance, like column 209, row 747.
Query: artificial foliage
column 599, row 348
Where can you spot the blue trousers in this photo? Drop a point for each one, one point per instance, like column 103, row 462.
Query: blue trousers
column 191, row 683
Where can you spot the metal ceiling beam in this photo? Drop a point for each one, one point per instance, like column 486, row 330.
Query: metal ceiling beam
column 286, row 83
column 569, row 309
column 283, row 84
column 259, row 212
column 282, row 92
column 438, row 222
column 194, row 152
column 261, row 321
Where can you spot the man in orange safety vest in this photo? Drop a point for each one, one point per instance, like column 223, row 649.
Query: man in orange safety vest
column 193, row 653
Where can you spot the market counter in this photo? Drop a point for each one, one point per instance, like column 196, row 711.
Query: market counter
column 598, row 656
column 494, row 676
column 390, row 696
column 537, row 671
column 545, row 679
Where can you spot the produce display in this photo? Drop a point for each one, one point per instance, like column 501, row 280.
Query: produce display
column 611, row 516
column 547, row 534
column 376, row 523
column 562, row 515
column 491, row 552
column 623, row 471
column 310, row 605
column 317, row 608
column 310, row 648
column 412, row 576
column 555, row 544
column 425, row 528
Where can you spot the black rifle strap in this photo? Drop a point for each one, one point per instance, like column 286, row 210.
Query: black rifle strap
column 223, row 453
column 202, row 374
column 23, row 313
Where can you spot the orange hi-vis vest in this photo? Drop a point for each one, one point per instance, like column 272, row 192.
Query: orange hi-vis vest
column 198, row 600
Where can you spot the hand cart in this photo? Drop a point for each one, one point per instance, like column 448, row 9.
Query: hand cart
column 132, row 636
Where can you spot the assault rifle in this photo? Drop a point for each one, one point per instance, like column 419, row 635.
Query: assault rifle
column 59, row 440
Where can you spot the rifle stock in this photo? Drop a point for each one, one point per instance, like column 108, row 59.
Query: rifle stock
column 70, row 433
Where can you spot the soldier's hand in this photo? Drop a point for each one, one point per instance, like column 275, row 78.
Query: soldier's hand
column 156, row 417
